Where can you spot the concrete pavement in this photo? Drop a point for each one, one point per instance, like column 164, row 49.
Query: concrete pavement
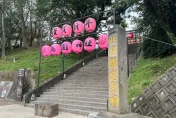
column 19, row 111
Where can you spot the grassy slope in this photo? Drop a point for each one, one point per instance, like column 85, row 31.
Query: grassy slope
column 147, row 72
column 50, row 66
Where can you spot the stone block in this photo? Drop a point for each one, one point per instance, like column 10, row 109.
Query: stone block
column 174, row 96
column 139, row 111
column 155, row 87
column 168, row 104
column 154, row 101
column 164, row 80
column 146, row 108
column 141, row 100
column 46, row 109
column 172, row 73
column 152, row 114
column 171, row 87
column 173, row 112
column 167, row 116
column 159, row 112
column 162, row 94
column 134, row 106
column 147, row 93
column 174, row 79
column 113, row 115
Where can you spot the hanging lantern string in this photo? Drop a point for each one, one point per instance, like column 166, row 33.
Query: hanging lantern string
column 85, row 35
column 159, row 41
column 84, row 17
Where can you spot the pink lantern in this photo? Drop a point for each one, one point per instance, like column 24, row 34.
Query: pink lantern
column 77, row 46
column 46, row 51
column 89, row 44
column 78, row 27
column 131, row 35
column 103, row 41
column 66, row 48
column 90, row 24
column 55, row 49
column 67, row 30
column 57, row 32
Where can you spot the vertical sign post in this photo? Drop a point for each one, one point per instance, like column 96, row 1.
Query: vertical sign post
column 117, row 71
column 19, row 86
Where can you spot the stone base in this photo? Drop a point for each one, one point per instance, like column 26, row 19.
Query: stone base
column 113, row 115
column 46, row 109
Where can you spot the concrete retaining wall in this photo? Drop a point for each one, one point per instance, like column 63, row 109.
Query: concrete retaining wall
column 159, row 100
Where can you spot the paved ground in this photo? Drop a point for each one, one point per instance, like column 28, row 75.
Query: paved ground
column 4, row 102
column 18, row 111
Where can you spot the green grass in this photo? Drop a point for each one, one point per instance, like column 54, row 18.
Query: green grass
column 50, row 66
column 146, row 73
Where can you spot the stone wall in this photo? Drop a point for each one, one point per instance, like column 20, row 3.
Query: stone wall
column 159, row 100
column 29, row 81
column 28, row 85
column 8, row 75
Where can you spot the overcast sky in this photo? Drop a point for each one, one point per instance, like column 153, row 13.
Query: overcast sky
column 131, row 26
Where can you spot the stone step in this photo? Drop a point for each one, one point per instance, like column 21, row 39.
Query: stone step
column 76, row 111
column 86, row 81
column 71, row 102
column 89, row 78
column 70, row 106
column 102, row 99
column 92, row 70
column 100, row 63
column 81, row 85
column 31, row 105
column 57, row 91
column 91, row 73
column 58, row 88
column 75, row 95
column 80, row 107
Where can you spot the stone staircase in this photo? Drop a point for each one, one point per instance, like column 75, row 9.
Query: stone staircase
column 83, row 92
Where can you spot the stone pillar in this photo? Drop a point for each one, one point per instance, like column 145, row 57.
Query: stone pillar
column 118, row 71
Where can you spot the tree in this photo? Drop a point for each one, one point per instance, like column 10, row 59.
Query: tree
column 20, row 6
column 157, row 17
column 56, row 12
column 164, row 12
column 3, row 41
column 157, row 49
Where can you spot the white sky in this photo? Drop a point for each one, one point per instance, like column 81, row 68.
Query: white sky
column 131, row 25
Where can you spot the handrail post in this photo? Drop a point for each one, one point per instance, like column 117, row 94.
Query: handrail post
column 63, row 63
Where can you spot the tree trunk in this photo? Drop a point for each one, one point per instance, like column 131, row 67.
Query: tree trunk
column 25, row 44
column 31, row 36
column 3, row 42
